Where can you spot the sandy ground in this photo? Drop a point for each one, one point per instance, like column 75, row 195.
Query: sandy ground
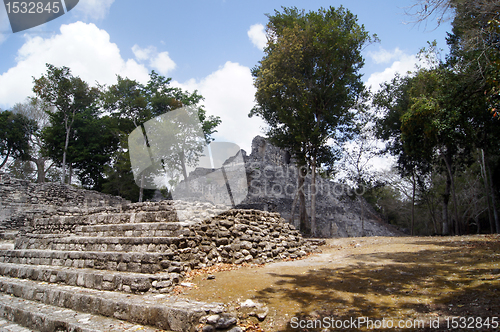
column 448, row 283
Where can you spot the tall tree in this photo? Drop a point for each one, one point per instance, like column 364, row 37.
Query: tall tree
column 307, row 85
column 474, row 41
column 133, row 104
column 95, row 141
column 433, row 119
column 69, row 96
column 35, row 109
column 15, row 132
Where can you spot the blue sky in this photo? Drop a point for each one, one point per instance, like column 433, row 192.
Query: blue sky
column 208, row 45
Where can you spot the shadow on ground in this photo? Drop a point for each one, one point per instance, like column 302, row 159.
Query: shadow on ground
column 457, row 278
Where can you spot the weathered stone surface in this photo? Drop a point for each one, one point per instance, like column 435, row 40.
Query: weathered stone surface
column 21, row 200
column 86, row 257
column 46, row 318
column 272, row 186
column 266, row 236
column 164, row 313
column 272, row 180
column 225, row 321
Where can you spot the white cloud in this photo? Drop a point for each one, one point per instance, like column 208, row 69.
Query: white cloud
column 84, row 48
column 403, row 64
column 159, row 61
column 162, row 63
column 385, row 56
column 229, row 93
column 257, row 35
column 142, row 54
column 94, row 9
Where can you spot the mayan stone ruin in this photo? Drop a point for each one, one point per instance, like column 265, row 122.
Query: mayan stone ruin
column 78, row 260
column 272, row 186
column 107, row 260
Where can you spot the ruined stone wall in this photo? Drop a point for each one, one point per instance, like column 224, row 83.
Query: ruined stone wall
column 21, row 200
column 340, row 212
column 272, row 175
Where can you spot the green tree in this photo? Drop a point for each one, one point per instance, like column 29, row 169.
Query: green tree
column 69, row 96
column 35, row 109
column 133, row 104
column 437, row 117
column 474, row 54
column 307, row 85
column 474, row 40
column 434, row 118
column 95, row 141
column 15, row 132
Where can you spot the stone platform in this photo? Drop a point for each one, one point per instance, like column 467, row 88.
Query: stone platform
column 115, row 268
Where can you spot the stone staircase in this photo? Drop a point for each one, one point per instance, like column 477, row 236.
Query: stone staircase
column 115, row 268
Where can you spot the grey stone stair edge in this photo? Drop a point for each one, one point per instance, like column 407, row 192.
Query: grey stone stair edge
column 70, row 238
column 95, row 279
column 105, row 255
column 8, row 326
column 139, row 262
column 118, row 244
column 160, row 225
column 163, row 213
column 107, row 219
column 8, row 235
column 128, row 214
column 161, row 311
column 47, row 318
column 145, row 229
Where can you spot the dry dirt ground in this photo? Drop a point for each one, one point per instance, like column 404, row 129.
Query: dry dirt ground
column 371, row 283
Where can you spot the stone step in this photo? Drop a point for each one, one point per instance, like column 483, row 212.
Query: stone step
column 161, row 311
column 156, row 229
column 47, row 318
column 139, row 262
column 8, row 326
column 62, row 223
column 8, row 235
column 90, row 243
column 95, row 279
column 67, row 223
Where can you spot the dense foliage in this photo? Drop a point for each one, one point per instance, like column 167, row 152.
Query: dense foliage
column 441, row 124
column 83, row 130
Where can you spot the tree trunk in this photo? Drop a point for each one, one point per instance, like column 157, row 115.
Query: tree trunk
column 446, row 199
column 492, row 195
column 183, row 165
column 412, row 223
column 5, row 160
column 304, row 224
column 70, row 177
column 362, row 215
column 487, row 190
column 40, row 170
column 141, row 189
column 313, row 198
column 433, row 216
column 292, row 213
column 448, row 161
column 66, row 143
